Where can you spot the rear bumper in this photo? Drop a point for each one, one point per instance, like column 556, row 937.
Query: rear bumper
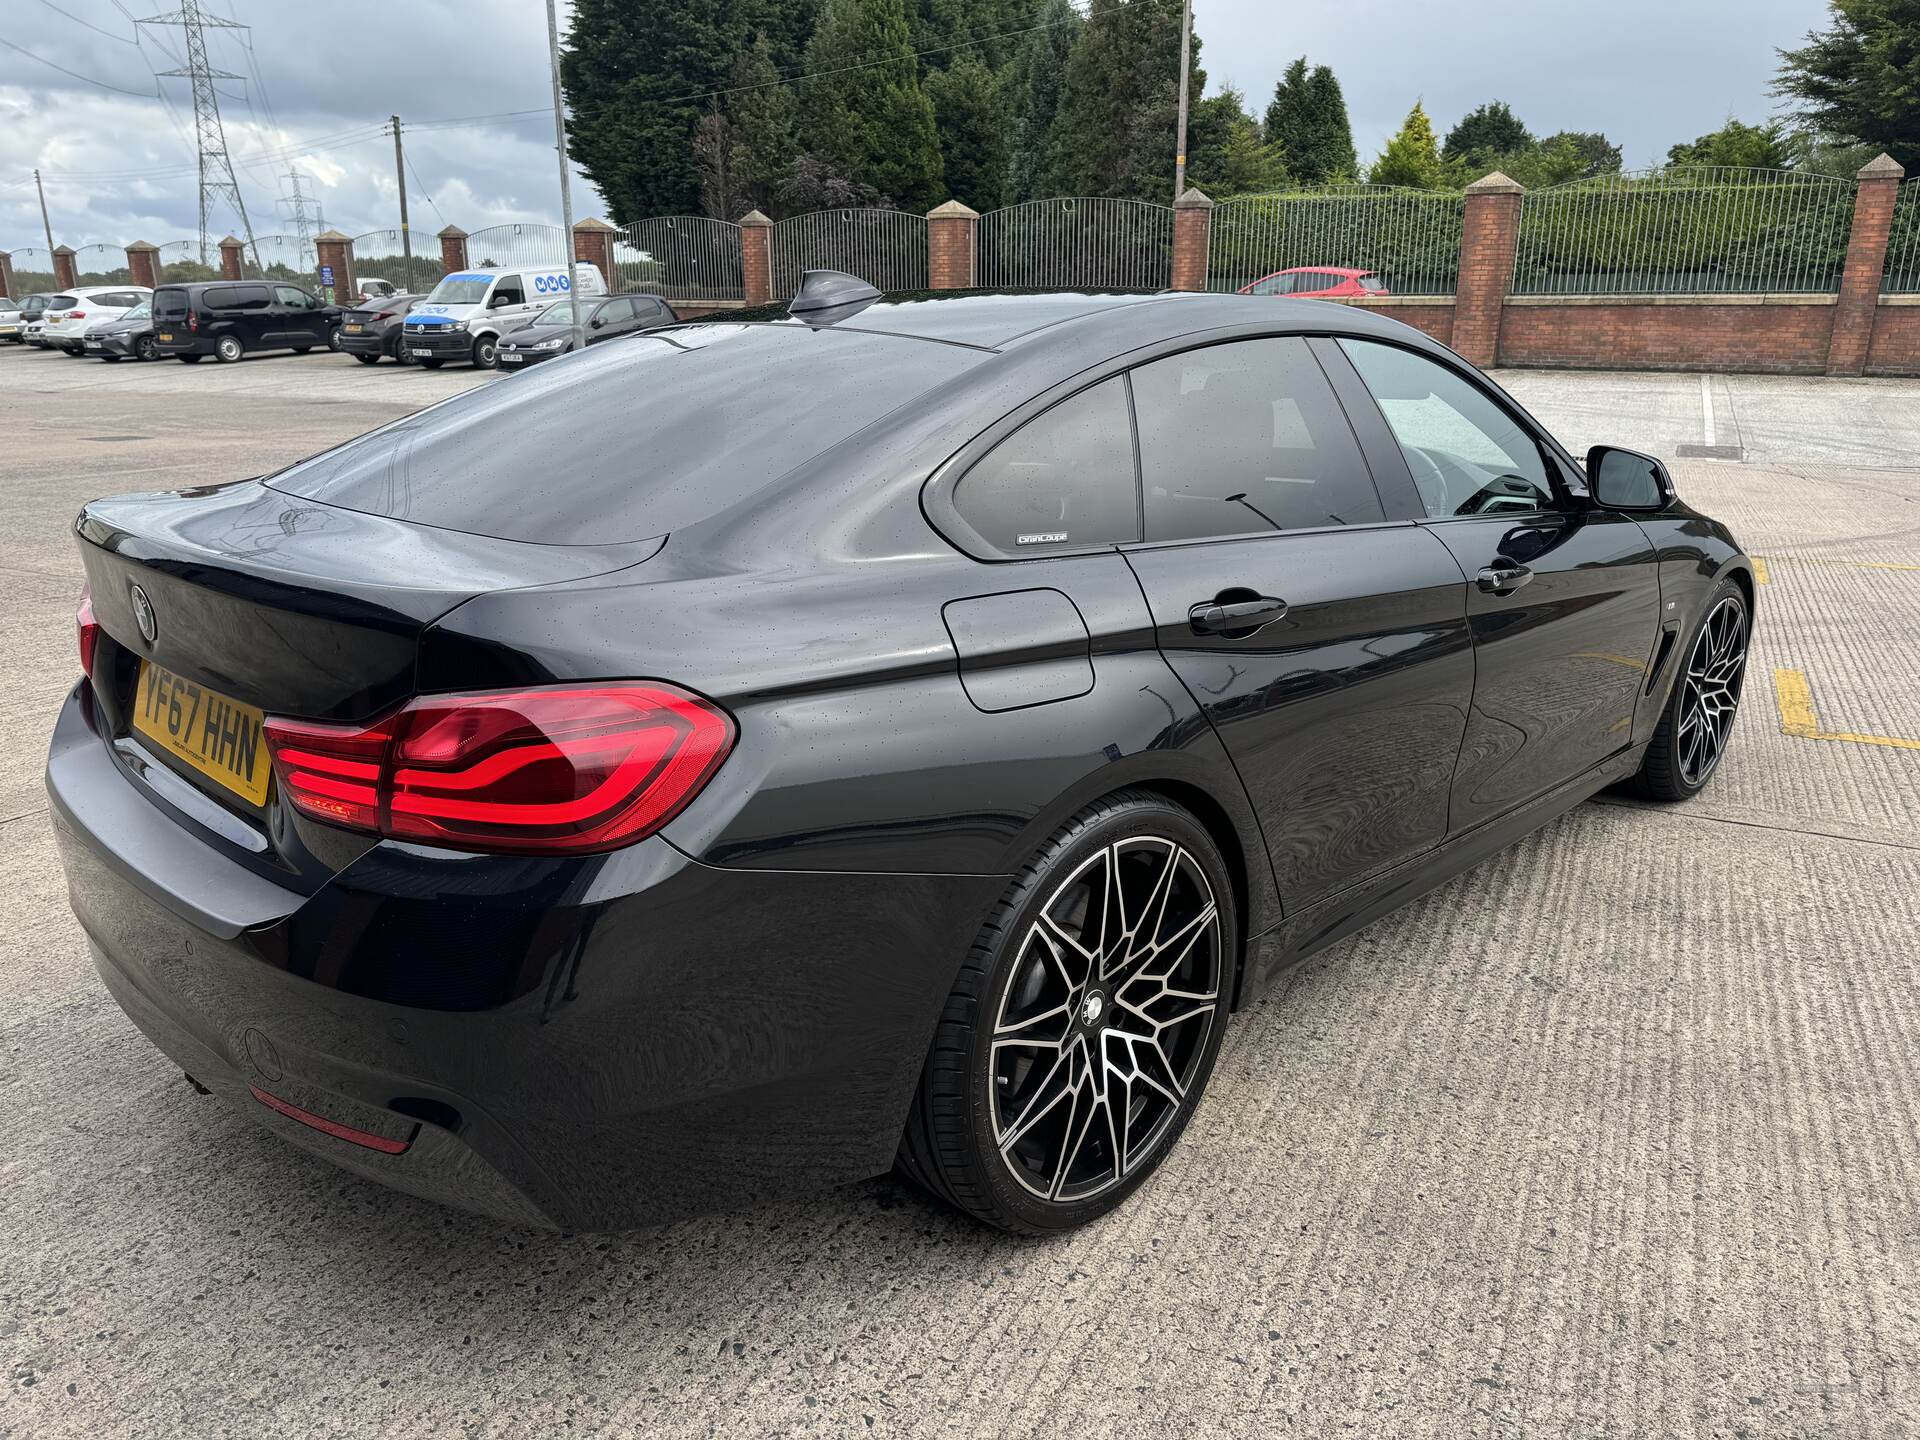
column 440, row 345
column 183, row 343
column 588, row 1044
column 368, row 342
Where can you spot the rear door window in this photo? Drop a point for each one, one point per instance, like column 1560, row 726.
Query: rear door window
column 1247, row 437
column 1064, row 480
column 169, row 304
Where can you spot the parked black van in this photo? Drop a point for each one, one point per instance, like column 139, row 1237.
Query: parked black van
column 231, row 318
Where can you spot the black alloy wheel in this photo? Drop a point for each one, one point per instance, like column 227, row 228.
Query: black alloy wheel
column 1694, row 729
column 1084, row 1024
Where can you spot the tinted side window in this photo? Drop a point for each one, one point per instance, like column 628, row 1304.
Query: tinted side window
column 507, row 292
column 239, row 297
column 1246, row 437
column 1064, row 479
column 1467, row 455
column 614, row 311
column 291, row 298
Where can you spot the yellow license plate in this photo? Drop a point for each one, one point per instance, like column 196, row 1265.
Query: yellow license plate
column 353, row 329
column 167, row 335
column 217, row 736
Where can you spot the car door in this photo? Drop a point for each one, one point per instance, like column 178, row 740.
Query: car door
column 1325, row 639
column 301, row 320
column 1563, row 597
column 610, row 318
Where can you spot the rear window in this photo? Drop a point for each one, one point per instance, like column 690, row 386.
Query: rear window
column 169, row 303
column 630, row 440
column 62, row 302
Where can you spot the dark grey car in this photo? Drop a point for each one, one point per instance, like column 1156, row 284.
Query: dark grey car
column 550, row 333
column 128, row 338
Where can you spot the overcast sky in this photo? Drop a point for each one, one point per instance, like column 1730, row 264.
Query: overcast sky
column 120, row 166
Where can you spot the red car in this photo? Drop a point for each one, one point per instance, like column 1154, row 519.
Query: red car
column 1317, row 281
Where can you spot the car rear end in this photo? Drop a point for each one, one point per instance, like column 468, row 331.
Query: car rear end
column 62, row 326
column 10, row 320
column 372, row 327
column 180, row 322
column 409, row 894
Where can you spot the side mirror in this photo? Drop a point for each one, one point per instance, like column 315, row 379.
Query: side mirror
column 597, row 323
column 1627, row 480
column 498, row 299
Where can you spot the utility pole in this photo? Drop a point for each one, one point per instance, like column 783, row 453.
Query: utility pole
column 216, row 168
column 566, row 187
column 400, row 177
column 1186, row 64
column 45, row 223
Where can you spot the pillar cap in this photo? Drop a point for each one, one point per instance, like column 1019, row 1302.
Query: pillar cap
column 332, row 235
column 233, row 242
column 1496, row 184
column 141, row 247
column 579, row 225
column 63, row 250
column 452, row 232
column 1193, row 198
column 1881, row 167
column 953, row 210
column 754, row 217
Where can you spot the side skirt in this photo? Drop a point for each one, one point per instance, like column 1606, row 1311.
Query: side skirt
column 1298, row 936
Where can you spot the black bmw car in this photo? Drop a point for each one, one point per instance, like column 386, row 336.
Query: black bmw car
column 906, row 738
column 550, row 333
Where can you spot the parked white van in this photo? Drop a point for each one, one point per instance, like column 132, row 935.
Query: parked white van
column 469, row 310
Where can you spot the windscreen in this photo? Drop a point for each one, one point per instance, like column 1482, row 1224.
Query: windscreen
column 461, row 290
column 629, row 440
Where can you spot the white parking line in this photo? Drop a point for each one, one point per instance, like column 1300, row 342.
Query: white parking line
column 1706, row 408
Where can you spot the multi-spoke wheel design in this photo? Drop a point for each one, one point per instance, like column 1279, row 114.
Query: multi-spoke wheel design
column 1710, row 691
column 1105, row 1018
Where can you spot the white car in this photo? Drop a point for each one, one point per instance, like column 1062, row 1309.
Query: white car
column 10, row 321
column 66, row 326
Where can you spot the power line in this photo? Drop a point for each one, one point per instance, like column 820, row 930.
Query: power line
column 89, row 24
column 210, row 135
column 75, row 74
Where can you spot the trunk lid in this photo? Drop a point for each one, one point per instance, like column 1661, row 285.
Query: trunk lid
column 292, row 605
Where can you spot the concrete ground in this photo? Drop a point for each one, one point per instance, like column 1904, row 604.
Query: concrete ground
column 1618, row 1134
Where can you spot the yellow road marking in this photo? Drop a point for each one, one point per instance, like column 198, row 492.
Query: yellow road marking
column 1760, row 576
column 1798, row 717
column 1760, row 564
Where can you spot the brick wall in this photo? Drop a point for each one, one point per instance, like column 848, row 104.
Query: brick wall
column 1782, row 334
column 1895, row 348
column 1192, row 229
column 951, row 231
column 1432, row 316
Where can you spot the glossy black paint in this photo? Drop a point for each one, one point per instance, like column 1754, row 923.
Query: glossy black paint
column 743, row 1001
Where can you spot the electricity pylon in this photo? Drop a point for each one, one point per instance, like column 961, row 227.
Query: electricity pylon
column 216, row 168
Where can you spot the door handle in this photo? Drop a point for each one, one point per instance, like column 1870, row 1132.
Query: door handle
column 1503, row 579
column 1236, row 617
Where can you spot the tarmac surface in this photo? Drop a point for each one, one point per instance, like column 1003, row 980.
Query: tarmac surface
column 1617, row 1134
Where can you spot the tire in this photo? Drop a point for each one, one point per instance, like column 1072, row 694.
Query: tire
column 143, row 348
column 368, row 359
column 228, row 349
column 1682, row 756
column 983, row 1132
column 189, row 359
column 486, row 352
column 430, row 364
column 333, row 341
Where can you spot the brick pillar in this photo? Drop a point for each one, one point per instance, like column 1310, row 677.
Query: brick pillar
column 1192, row 223
column 232, row 249
column 1859, row 302
column 453, row 249
column 951, row 232
column 331, row 248
column 1487, row 241
column 756, row 257
column 6, row 274
column 144, row 261
column 63, row 275
column 593, row 245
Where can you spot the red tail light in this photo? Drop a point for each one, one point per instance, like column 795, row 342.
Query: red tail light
column 566, row 770
column 89, row 629
column 76, row 315
column 193, row 319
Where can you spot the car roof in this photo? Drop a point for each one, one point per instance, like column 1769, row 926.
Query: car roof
column 1104, row 322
